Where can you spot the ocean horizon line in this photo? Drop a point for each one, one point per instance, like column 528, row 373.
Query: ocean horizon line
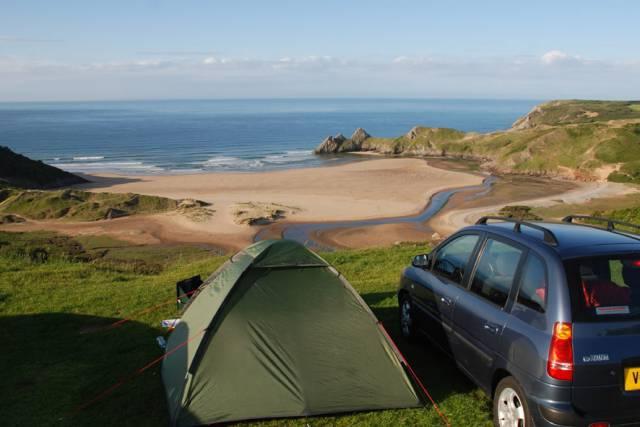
column 301, row 98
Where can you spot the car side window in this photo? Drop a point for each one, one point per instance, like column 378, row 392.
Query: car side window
column 452, row 259
column 496, row 271
column 533, row 284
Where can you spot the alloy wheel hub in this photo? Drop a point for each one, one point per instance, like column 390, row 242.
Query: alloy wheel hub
column 510, row 409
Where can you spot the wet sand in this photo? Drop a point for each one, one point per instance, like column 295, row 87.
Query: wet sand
column 534, row 193
column 507, row 190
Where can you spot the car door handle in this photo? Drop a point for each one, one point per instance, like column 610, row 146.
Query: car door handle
column 446, row 301
column 490, row 327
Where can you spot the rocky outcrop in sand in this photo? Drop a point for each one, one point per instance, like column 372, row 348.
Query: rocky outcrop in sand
column 195, row 210
column 257, row 213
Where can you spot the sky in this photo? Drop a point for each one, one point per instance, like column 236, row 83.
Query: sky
column 166, row 49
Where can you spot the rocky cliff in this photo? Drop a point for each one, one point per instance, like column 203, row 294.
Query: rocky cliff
column 587, row 140
column 340, row 144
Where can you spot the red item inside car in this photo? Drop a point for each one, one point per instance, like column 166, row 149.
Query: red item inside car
column 598, row 293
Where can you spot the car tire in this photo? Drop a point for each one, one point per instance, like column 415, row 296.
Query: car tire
column 510, row 406
column 407, row 325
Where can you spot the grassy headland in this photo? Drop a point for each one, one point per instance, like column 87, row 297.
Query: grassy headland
column 53, row 311
column 17, row 170
column 576, row 139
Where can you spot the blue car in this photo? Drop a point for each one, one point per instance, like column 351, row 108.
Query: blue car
column 543, row 316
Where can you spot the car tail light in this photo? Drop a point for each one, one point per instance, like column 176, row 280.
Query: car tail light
column 560, row 364
column 600, row 424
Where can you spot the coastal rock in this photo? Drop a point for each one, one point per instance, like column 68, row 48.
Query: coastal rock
column 331, row 144
column 359, row 136
column 340, row 144
column 339, row 138
column 528, row 121
column 413, row 133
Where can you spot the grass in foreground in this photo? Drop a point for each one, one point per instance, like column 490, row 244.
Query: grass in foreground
column 55, row 356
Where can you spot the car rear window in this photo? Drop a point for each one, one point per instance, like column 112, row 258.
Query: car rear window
column 605, row 288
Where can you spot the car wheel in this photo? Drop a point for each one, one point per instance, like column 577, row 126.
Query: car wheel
column 406, row 318
column 510, row 407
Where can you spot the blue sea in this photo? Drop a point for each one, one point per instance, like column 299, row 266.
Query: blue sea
column 160, row 137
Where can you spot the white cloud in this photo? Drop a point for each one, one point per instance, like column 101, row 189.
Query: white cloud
column 317, row 62
column 557, row 57
column 554, row 56
column 413, row 60
column 552, row 75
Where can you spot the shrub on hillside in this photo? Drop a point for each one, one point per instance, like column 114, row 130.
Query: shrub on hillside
column 629, row 172
column 520, row 212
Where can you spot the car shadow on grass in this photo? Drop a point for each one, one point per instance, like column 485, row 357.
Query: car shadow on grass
column 436, row 370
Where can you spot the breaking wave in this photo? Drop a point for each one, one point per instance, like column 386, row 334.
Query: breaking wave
column 85, row 158
column 123, row 166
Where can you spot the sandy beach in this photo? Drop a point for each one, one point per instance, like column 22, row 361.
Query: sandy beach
column 371, row 189
column 375, row 188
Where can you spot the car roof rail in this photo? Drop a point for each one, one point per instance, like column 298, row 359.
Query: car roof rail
column 549, row 237
column 611, row 223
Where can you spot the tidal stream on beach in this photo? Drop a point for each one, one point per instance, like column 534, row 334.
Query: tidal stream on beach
column 306, row 233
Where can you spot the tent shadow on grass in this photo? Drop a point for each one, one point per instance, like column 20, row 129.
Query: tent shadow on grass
column 55, row 362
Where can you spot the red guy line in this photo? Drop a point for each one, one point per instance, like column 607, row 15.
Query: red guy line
column 415, row 376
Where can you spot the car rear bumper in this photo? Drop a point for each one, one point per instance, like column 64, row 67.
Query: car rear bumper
column 556, row 414
column 564, row 414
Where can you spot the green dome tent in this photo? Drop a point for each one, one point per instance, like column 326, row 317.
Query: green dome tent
column 277, row 332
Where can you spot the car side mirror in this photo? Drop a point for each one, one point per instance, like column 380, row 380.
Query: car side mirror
column 421, row 261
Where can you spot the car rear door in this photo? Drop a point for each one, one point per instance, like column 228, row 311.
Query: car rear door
column 480, row 316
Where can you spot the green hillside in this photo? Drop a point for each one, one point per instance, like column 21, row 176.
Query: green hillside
column 579, row 111
column 577, row 139
column 17, row 170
